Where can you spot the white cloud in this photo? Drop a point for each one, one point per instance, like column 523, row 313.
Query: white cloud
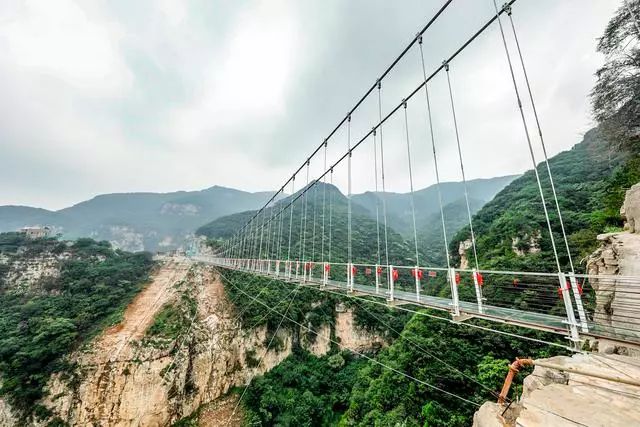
column 59, row 40
column 247, row 80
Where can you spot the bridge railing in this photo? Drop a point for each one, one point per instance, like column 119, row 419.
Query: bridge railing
column 577, row 306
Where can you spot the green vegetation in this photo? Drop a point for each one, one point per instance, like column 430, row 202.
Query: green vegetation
column 303, row 390
column 173, row 320
column 590, row 181
column 39, row 326
column 364, row 235
column 384, row 397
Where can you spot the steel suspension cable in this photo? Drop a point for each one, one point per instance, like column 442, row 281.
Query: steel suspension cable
column 376, row 201
column 411, row 199
column 263, row 355
column 324, row 197
column 349, row 254
column 303, row 221
column 384, row 190
column 269, row 248
column 330, row 213
column 464, row 179
column 369, row 358
column 528, row 137
column 280, row 232
column 293, row 182
column 422, row 349
column 435, row 157
column 542, row 143
column 431, row 21
column 409, row 96
column 261, row 233
column 313, row 235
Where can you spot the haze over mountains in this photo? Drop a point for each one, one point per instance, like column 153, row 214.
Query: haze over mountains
column 163, row 221
column 137, row 221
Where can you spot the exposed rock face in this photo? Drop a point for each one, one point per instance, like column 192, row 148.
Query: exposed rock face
column 124, row 381
column 619, row 255
column 463, row 247
column 526, row 245
column 179, row 209
column 7, row 417
column 29, row 274
column 631, row 209
column 554, row 398
column 124, row 237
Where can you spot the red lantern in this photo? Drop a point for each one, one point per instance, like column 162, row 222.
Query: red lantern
column 479, row 278
column 457, row 278
column 379, row 271
column 327, row 267
column 354, row 270
column 395, row 274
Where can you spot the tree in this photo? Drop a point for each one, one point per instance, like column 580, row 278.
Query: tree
column 616, row 95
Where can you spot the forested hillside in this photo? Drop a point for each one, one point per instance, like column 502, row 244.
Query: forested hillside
column 83, row 287
column 590, row 181
column 427, row 204
column 364, row 234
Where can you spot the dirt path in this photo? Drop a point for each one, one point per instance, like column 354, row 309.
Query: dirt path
column 113, row 343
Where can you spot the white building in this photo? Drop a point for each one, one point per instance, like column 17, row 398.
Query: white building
column 36, row 232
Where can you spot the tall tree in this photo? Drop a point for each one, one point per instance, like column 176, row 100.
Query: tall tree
column 616, row 95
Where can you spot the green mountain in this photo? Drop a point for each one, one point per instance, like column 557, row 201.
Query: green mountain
column 590, row 181
column 137, row 221
column 364, row 234
column 428, row 217
column 426, row 201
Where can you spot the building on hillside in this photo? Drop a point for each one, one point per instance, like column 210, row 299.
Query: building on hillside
column 36, row 232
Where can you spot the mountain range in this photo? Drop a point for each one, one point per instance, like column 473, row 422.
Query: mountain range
column 137, row 221
column 164, row 221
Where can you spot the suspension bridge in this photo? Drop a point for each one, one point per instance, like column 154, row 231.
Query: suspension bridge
column 293, row 237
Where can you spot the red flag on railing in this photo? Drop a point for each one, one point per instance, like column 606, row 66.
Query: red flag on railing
column 327, row 267
column 479, row 278
column 395, row 274
column 354, row 270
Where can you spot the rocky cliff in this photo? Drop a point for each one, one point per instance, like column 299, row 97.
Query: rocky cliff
column 618, row 255
column 127, row 378
column 562, row 397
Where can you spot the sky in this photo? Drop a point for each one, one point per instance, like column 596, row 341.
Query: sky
column 164, row 95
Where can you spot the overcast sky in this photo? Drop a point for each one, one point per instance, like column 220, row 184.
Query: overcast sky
column 122, row 96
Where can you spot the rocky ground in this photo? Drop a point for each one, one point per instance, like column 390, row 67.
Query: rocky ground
column 553, row 397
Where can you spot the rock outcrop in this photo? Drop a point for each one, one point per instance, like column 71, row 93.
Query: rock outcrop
column 559, row 398
column 618, row 255
column 122, row 379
